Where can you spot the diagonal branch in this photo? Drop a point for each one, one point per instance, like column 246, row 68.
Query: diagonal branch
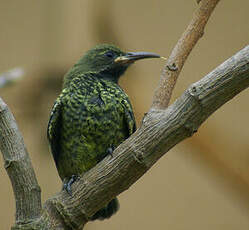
column 184, row 46
column 160, row 131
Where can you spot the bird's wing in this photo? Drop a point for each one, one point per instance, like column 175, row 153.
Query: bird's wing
column 53, row 131
column 129, row 117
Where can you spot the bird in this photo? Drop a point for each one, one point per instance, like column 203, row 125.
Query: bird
column 92, row 115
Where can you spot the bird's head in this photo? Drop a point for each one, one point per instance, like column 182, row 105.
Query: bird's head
column 107, row 61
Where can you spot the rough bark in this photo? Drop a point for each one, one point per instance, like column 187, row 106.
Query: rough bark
column 18, row 166
column 160, row 130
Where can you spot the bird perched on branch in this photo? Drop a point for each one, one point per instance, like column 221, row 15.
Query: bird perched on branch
column 92, row 115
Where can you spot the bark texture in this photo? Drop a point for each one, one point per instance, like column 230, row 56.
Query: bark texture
column 160, row 130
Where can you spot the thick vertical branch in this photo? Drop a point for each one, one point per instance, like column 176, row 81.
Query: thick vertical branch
column 18, row 165
column 176, row 60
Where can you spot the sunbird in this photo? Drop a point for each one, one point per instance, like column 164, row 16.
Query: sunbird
column 92, row 115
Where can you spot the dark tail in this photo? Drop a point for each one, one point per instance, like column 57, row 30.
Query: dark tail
column 107, row 211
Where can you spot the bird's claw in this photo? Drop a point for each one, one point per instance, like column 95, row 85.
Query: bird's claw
column 110, row 151
column 67, row 185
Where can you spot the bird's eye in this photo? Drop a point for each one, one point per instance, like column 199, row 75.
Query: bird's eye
column 109, row 54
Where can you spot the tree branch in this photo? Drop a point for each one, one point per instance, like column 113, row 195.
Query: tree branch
column 160, row 131
column 18, row 165
column 176, row 60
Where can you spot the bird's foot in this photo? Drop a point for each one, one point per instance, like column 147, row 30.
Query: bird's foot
column 68, row 183
column 110, row 150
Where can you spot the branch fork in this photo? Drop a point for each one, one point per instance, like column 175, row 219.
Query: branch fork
column 162, row 128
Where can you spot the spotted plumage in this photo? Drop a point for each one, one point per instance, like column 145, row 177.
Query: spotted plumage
column 92, row 115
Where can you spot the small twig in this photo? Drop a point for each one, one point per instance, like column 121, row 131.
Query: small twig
column 180, row 53
column 11, row 76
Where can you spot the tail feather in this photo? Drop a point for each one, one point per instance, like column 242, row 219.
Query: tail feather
column 106, row 212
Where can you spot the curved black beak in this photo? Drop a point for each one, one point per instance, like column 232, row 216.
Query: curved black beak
column 134, row 56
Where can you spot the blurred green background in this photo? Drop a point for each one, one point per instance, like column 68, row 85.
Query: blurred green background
column 203, row 183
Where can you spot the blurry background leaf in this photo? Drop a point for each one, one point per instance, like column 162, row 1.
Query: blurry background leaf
column 11, row 76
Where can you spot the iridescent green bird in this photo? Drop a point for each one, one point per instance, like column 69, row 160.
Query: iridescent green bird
column 92, row 115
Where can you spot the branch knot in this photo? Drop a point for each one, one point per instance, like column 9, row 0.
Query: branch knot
column 194, row 92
